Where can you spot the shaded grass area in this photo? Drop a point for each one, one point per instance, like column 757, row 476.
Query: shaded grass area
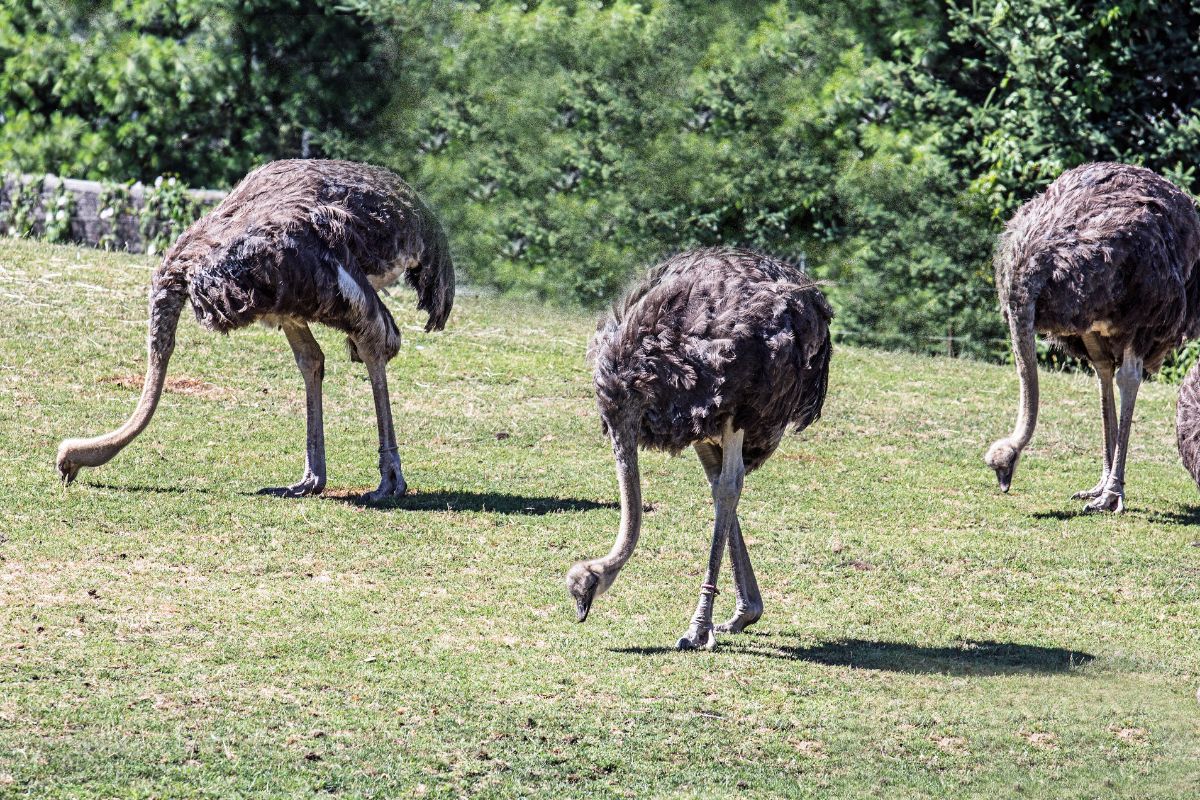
column 166, row 633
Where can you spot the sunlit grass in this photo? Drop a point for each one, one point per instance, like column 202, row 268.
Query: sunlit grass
column 166, row 633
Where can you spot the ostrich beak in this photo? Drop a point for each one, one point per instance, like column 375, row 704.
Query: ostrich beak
column 1005, row 480
column 584, row 604
column 67, row 472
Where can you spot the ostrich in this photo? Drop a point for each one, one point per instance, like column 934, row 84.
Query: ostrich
column 1104, row 263
column 295, row 242
column 1187, row 422
column 721, row 349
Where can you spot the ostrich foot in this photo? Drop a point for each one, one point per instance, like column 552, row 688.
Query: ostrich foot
column 391, row 484
column 697, row 639
column 309, row 484
column 743, row 618
column 1110, row 500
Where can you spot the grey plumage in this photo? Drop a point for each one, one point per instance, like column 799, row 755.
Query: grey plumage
column 714, row 333
column 1109, row 243
column 1104, row 264
column 273, row 247
column 722, row 350
column 295, row 242
column 1187, row 422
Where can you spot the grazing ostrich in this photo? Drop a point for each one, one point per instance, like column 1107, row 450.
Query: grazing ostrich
column 721, row 349
column 1187, row 422
column 1104, row 263
column 297, row 242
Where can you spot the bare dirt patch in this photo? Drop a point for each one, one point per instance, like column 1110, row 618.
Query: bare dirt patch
column 950, row 744
column 1131, row 735
column 808, row 747
column 1041, row 739
column 193, row 387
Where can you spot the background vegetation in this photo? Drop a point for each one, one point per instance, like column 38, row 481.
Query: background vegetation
column 881, row 143
column 205, row 89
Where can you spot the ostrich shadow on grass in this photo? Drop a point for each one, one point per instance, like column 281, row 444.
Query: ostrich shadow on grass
column 1189, row 515
column 1068, row 513
column 145, row 488
column 965, row 658
column 415, row 500
column 496, row 502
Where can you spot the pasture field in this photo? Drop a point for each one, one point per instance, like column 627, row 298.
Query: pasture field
column 164, row 632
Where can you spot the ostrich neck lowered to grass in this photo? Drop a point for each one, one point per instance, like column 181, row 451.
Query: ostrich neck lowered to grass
column 721, row 350
column 1104, row 263
column 1187, row 422
column 297, row 242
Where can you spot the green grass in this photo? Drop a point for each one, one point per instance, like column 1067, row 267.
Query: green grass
column 166, row 633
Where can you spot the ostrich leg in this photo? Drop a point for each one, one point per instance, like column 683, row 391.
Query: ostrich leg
column 725, row 499
column 1129, row 379
column 1108, row 412
column 749, row 601
column 311, row 362
column 391, row 479
column 745, row 586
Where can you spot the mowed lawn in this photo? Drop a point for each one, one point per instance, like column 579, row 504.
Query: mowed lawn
column 164, row 632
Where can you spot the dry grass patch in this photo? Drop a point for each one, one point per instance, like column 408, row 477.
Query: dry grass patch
column 177, row 384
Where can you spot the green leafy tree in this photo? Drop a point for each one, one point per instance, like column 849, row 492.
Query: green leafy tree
column 205, row 89
column 567, row 143
column 1003, row 97
column 1015, row 93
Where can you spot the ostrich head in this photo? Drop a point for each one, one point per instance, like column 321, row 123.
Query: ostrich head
column 1002, row 457
column 586, row 581
column 67, row 467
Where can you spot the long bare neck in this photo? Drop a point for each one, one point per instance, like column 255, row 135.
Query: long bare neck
column 101, row 449
column 166, row 302
column 630, row 483
column 1025, row 356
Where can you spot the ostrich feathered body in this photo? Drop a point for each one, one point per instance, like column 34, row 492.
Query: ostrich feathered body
column 1110, row 249
column 313, row 240
column 710, row 334
column 1187, row 422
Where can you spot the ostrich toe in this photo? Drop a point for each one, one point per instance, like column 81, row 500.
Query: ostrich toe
column 743, row 618
column 697, row 639
column 391, row 484
column 1108, row 501
column 309, row 484
column 1092, row 493
column 383, row 493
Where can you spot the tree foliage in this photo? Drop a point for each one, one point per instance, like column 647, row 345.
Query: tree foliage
column 1006, row 96
column 205, row 89
column 1016, row 93
column 567, row 143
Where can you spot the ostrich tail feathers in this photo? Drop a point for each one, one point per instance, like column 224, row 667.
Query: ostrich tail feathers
column 433, row 277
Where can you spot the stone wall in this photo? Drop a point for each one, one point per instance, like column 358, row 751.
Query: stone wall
column 87, row 226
